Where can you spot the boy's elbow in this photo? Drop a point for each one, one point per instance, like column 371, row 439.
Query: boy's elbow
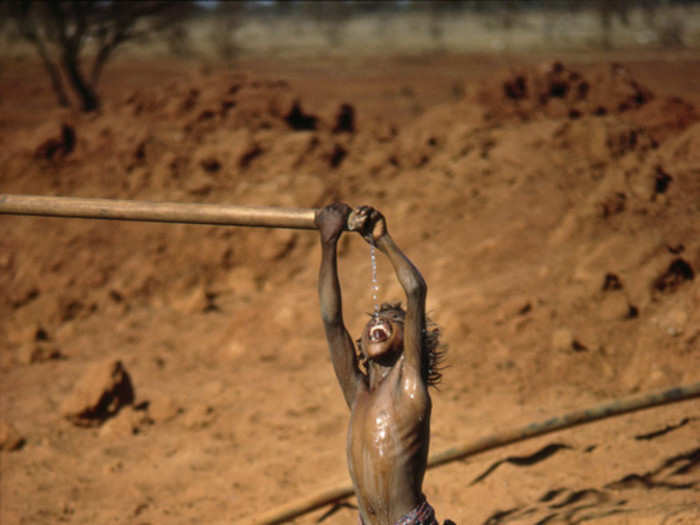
column 331, row 318
column 416, row 288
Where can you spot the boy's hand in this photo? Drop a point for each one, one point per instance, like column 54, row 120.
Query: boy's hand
column 332, row 220
column 369, row 222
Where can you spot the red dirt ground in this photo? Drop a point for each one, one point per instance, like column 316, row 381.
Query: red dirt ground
column 553, row 208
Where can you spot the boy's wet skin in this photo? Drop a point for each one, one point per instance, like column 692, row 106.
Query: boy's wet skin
column 389, row 430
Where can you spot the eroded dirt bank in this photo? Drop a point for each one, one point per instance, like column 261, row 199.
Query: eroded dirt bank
column 552, row 206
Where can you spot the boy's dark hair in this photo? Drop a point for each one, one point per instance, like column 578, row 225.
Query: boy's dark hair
column 432, row 352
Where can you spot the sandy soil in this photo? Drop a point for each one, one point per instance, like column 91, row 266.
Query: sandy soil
column 553, row 208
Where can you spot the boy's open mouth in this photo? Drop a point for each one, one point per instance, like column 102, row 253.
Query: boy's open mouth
column 379, row 330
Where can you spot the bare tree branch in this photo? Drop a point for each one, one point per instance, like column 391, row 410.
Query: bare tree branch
column 68, row 27
column 27, row 28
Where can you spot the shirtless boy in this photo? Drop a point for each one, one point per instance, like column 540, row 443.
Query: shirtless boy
column 387, row 445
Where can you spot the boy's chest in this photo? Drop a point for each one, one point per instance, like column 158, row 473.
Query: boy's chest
column 385, row 426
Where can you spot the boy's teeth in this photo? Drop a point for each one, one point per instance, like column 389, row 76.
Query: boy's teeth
column 377, row 332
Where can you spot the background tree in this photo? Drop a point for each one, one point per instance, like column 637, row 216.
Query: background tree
column 223, row 29
column 64, row 32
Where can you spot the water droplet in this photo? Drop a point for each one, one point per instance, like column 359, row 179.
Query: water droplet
column 375, row 285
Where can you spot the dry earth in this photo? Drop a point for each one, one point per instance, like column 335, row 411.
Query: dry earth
column 178, row 374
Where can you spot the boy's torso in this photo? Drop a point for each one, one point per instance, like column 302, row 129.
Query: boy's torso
column 387, row 449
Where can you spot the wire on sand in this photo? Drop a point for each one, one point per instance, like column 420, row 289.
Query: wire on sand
column 616, row 407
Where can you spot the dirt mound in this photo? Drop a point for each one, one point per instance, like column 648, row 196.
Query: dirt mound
column 104, row 389
column 554, row 90
column 554, row 218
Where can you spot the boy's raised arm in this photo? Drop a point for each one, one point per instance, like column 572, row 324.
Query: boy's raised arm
column 374, row 230
column 331, row 221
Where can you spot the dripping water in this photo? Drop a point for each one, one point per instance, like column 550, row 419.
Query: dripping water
column 375, row 285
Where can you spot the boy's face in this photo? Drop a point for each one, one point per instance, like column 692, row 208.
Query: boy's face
column 383, row 334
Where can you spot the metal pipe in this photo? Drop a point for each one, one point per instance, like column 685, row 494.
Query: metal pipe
column 217, row 214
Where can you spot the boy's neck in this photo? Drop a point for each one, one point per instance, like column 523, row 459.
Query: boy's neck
column 379, row 370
